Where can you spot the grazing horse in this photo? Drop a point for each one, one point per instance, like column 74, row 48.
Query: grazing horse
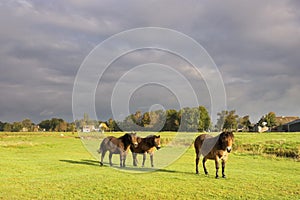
column 117, row 146
column 214, row 148
column 145, row 145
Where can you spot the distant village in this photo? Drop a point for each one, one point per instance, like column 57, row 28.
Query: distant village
column 196, row 120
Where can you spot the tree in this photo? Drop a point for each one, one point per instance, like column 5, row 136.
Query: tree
column 244, row 123
column 157, row 120
column 45, row 124
column 62, row 126
column 220, row 121
column 137, row 118
column 55, row 124
column 27, row 123
column 230, row 122
column 189, row 119
column 204, row 119
column 269, row 118
column 16, row 127
column 85, row 119
column 172, row 121
column 7, row 127
column 1, row 126
column 71, row 127
column 146, row 120
column 111, row 124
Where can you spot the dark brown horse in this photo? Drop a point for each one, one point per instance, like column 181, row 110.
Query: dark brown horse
column 214, row 148
column 145, row 145
column 117, row 146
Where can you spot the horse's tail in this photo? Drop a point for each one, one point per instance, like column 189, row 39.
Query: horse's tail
column 100, row 150
column 197, row 144
column 103, row 145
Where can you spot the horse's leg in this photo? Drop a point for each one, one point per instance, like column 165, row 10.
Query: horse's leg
column 134, row 155
column 217, row 167
column 223, row 169
column 110, row 156
column 102, row 157
column 144, row 159
column 151, row 159
column 204, row 166
column 121, row 159
column 124, row 159
column 197, row 160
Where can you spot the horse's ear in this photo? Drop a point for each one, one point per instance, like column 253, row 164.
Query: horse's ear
column 158, row 136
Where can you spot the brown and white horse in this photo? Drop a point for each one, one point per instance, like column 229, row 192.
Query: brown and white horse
column 117, row 146
column 214, row 148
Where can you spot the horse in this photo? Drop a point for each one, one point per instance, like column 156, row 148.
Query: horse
column 214, row 148
column 117, row 146
column 145, row 145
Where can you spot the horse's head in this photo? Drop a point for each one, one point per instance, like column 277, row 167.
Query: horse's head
column 134, row 139
column 157, row 142
column 226, row 139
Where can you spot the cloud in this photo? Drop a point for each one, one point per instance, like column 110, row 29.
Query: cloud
column 255, row 46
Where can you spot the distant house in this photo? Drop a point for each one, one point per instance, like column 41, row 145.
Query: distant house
column 24, row 129
column 258, row 128
column 88, row 128
column 103, row 127
column 34, row 128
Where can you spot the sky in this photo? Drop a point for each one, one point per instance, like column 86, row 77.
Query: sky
column 255, row 46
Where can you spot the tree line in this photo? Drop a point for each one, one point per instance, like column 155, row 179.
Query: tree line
column 26, row 125
column 187, row 119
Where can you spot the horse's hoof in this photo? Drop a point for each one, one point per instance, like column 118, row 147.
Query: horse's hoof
column 217, row 177
column 101, row 164
column 223, row 176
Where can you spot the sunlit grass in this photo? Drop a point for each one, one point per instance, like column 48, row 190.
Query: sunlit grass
column 55, row 166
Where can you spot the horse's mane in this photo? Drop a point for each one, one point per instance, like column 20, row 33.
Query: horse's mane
column 126, row 139
column 150, row 136
column 149, row 140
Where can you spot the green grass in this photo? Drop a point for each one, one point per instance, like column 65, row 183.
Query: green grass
column 51, row 166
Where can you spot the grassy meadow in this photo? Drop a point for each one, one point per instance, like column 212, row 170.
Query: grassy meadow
column 55, row 166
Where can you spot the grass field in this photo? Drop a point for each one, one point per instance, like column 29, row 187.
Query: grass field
column 51, row 166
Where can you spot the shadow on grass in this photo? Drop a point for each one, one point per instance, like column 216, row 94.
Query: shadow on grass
column 82, row 162
column 139, row 170
column 126, row 169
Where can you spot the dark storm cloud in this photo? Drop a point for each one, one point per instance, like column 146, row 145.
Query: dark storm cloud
column 255, row 44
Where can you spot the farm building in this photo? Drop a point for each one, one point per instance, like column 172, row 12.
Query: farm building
column 283, row 119
column 293, row 126
column 283, row 123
